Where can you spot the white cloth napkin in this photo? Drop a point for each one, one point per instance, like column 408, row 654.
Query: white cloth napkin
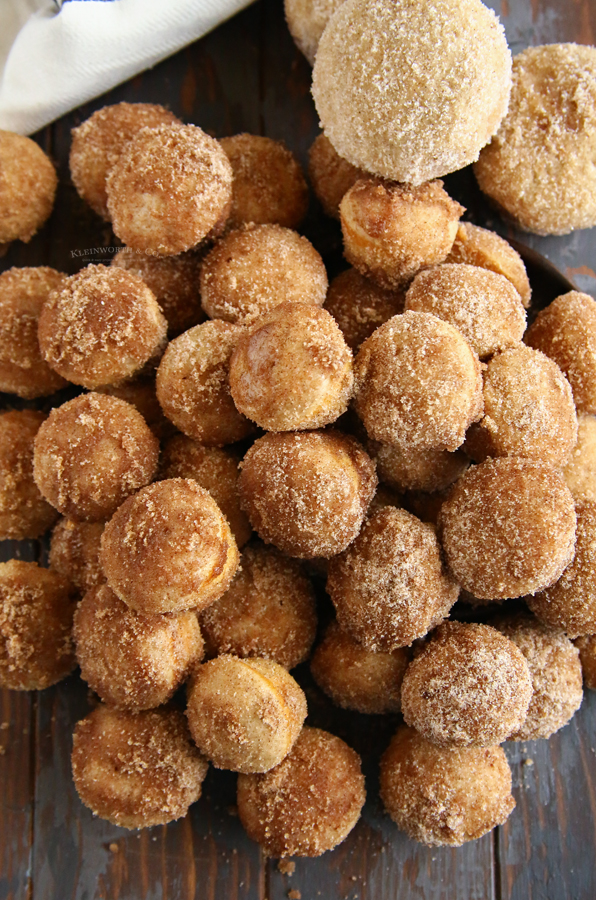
column 52, row 61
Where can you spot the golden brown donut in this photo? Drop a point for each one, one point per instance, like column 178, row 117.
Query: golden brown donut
column 193, row 388
column 566, row 331
column 23, row 292
column 136, row 769
column 91, row 453
column 390, row 586
column 24, row 513
column 481, row 247
column 36, row 610
column 359, row 306
column 483, row 305
column 330, row 175
column 100, row 327
column 28, row 187
column 254, row 268
column 539, row 166
column 307, row 493
column 444, row 796
column 291, row 370
column 470, row 686
column 391, row 231
column 357, row 678
column 309, row 803
column 170, row 187
column 528, row 409
column 307, row 20
column 587, row 654
column 168, row 548
column 418, row 383
column 244, row 714
column 269, row 185
column 133, row 661
column 98, row 142
column 268, row 611
column 74, row 553
column 508, row 528
column 404, row 469
column 580, row 469
column 214, row 469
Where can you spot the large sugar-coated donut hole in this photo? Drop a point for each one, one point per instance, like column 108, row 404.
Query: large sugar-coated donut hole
column 480, row 247
column 331, row 176
column 359, row 306
column 74, row 553
column 28, row 187
column 579, row 471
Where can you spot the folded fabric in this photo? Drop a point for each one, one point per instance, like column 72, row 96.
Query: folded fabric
column 53, row 59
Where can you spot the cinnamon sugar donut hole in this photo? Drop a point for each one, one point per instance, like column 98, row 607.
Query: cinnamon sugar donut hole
column 136, row 769
column 359, row 306
column 390, row 586
column 418, row 383
column 169, row 548
column 356, row 678
column 74, row 553
column 99, row 141
column 141, row 393
column 307, row 804
column 391, row 231
column 331, row 176
column 444, row 796
column 174, row 282
column 28, row 187
column 528, row 409
column 100, row 327
column 470, row 686
column 307, row 493
column 214, row 469
column 91, row 453
column 508, row 528
column 587, row 654
column 133, row 661
column 24, row 513
column 23, row 292
column 169, row 189
column 566, row 331
column 193, row 387
column 483, row 305
column 480, row 247
column 579, row 471
column 244, row 714
column 36, row 610
column 404, row 469
column 255, row 268
column 307, row 20
column 292, row 370
column 268, row 611
column 269, row 185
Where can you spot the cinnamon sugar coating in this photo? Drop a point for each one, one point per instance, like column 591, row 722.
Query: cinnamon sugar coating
column 171, row 187
column 100, row 327
column 292, row 370
column 136, row 769
column 404, row 469
column 268, row 611
column 470, row 686
column 579, row 471
column 99, row 141
column 74, row 553
column 169, row 548
column 307, row 20
column 307, row 804
column 587, row 654
column 411, row 92
column 23, row 292
column 566, row 331
column 36, row 610
column 359, row 306
column 331, row 176
column 480, row 247
column 24, row 513
column 508, row 528
column 391, row 231
column 307, row 493
column 483, row 305
column 193, row 387
column 390, row 586
column 444, row 796
column 539, row 166
column 141, row 393
column 269, row 185
column 133, row 661
column 357, row 678
column 255, row 268
column 91, row 453
column 28, row 187
column 418, row 383
column 244, row 714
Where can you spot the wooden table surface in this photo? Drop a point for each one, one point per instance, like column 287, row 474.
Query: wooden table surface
column 247, row 76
